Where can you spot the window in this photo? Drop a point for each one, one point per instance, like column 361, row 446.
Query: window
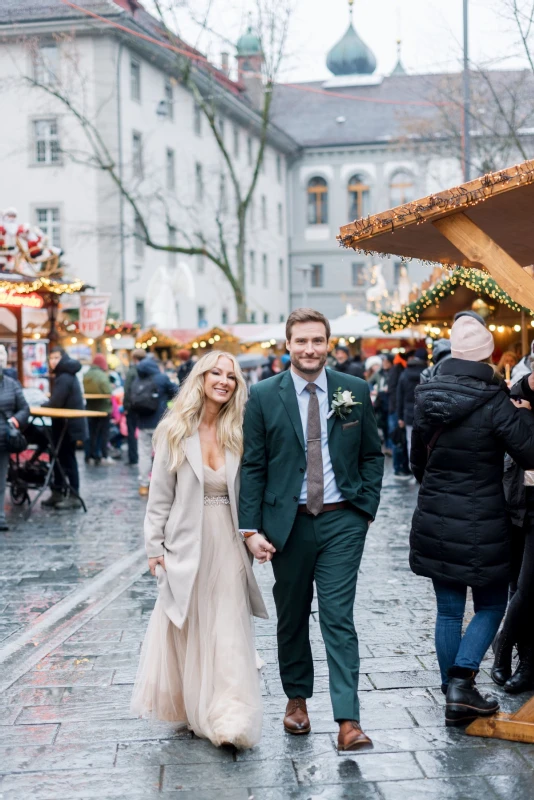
column 135, row 80
column 252, row 263
column 49, row 221
column 46, row 65
column 317, row 201
column 197, row 119
column 249, row 150
column 169, row 98
column 171, row 241
column 279, row 169
column 282, row 318
column 200, row 264
column 317, row 275
column 169, row 169
column 280, row 219
column 265, row 270
column 139, row 239
column 137, row 154
column 140, row 312
column 358, row 274
column 263, row 160
column 358, row 197
column 401, row 188
column 281, row 274
column 221, row 128
column 252, row 211
column 265, row 317
column 46, row 141
column 201, row 317
column 224, row 316
column 199, row 183
column 223, row 195
column 253, row 317
column 263, row 211
column 236, row 141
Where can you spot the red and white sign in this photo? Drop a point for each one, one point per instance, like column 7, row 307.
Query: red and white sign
column 30, row 300
column 93, row 314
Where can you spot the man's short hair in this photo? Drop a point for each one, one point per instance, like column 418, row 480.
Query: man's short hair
column 306, row 315
column 138, row 354
column 56, row 348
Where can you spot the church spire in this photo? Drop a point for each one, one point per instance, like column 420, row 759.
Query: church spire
column 399, row 66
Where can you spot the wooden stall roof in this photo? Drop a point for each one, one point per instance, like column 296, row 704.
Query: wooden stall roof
column 500, row 203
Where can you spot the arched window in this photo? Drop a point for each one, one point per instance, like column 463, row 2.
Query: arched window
column 358, row 197
column 401, row 188
column 317, row 201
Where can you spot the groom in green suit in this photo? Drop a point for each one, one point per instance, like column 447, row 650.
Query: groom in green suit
column 310, row 486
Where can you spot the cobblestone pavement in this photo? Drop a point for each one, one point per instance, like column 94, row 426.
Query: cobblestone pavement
column 75, row 603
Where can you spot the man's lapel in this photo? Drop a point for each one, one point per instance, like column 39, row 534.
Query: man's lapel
column 332, row 383
column 288, row 396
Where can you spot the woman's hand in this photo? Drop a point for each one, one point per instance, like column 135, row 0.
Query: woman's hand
column 14, row 421
column 519, row 403
column 260, row 548
column 152, row 562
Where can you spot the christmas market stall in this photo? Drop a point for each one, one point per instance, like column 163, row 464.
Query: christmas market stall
column 484, row 224
column 204, row 339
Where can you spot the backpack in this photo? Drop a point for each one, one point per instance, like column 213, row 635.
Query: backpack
column 144, row 395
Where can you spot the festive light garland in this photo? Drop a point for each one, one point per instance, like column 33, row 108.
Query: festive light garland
column 112, row 327
column 41, row 284
column 474, row 279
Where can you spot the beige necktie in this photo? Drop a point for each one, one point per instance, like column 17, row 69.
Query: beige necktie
column 315, row 476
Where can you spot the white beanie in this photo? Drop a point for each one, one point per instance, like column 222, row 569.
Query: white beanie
column 471, row 340
column 3, row 356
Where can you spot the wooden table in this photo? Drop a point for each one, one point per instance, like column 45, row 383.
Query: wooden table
column 97, row 396
column 65, row 414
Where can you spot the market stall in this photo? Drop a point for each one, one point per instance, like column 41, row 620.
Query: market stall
column 485, row 224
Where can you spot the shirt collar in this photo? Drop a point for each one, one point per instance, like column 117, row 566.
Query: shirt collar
column 301, row 383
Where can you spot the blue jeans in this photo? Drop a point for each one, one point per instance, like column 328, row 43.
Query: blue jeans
column 400, row 459
column 467, row 651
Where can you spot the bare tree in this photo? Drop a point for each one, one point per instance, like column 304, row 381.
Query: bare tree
column 225, row 245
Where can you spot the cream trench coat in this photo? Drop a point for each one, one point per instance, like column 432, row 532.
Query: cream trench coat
column 173, row 528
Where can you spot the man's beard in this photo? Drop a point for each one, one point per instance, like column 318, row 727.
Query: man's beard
column 321, row 361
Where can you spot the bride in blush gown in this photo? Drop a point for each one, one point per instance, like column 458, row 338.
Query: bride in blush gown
column 198, row 664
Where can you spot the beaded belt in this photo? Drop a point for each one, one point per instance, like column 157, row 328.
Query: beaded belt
column 216, row 500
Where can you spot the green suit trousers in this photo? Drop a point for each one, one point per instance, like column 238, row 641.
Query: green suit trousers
column 326, row 549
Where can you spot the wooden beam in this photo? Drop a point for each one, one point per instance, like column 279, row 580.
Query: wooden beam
column 502, row 726
column 478, row 247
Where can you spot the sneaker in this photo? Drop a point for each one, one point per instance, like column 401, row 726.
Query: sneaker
column 68, row 504
column 53, row 499
column 402, row 476
column 108, row 460
column 143, row 491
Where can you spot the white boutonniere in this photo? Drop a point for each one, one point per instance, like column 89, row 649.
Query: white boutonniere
column 342, row 403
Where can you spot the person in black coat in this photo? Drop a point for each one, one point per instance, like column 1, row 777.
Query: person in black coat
column 66, row 393
column 149, row 369
column 13, row 409
column 344, row 363
column 464, row 422
column 406, row 386
column 401, row 470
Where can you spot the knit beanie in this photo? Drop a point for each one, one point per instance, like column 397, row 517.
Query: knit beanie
column 471, row 340
column 100, row 361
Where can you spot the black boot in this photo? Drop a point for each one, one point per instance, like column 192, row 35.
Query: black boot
column 464, row 702
column 523, row 678
column 501, row 670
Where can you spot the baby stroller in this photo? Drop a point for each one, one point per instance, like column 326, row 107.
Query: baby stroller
column 29, row 469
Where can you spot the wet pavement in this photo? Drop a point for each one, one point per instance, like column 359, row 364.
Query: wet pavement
column 75, row 603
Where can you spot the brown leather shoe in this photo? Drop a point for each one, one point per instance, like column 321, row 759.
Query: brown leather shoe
column 351, row 736
column 296, row 720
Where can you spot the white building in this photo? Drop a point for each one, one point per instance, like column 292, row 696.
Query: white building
column 130, row 90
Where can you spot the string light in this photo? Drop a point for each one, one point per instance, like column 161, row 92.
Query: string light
column 474, row 279
column 41, row 284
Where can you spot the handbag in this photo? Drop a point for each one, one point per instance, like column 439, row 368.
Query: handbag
column 15, row 439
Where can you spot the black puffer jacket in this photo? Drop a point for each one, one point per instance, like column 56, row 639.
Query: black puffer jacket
column 67, row 393
column 12, row 404
column 460, row 529
column 406, row 386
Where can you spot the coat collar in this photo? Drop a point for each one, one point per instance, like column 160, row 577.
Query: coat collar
column 193, row 454
column 472, row 369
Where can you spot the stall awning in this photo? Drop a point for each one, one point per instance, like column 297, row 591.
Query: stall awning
column 485, row 223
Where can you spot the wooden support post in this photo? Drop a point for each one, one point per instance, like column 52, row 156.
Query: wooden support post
column 525, row 346
column 478, row 247
column 20, row 359
column 518, row 727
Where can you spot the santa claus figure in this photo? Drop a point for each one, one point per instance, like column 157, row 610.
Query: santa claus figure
column 22, row 242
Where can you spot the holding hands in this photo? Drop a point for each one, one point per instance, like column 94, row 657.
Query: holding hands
column 260, row 548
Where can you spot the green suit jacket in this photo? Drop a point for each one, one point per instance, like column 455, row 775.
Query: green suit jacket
column 274, row 459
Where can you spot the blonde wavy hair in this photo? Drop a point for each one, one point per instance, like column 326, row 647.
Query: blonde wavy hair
column 182, row 420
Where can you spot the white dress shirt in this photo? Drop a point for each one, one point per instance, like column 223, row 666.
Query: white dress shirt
column 331, row 491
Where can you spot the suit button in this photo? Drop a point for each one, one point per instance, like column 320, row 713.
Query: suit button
column 296, row 499
column 301, row 469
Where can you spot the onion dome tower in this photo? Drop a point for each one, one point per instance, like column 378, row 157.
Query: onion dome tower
column 351, row 56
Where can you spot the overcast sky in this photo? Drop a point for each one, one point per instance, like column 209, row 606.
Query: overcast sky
column 431, row 32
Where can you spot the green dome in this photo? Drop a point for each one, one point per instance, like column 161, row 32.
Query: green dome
column 351, row 56
column 248, row 44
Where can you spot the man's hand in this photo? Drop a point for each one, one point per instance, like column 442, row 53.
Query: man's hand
column 401, row 423
column 260, row 548
column 519, row 403
column 152, row 562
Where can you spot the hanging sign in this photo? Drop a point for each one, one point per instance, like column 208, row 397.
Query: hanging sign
column 93, row 314
column 30, row 300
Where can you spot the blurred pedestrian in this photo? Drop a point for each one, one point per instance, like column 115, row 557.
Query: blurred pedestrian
column 401, row 470
column 408, row 382
column 96, row 381
column 14, row 411
column 464, row 423
column 507, row 362
column 441, row 351
column 272, row 368
column 150, row 392
column 188, row 362
column 131, row 416
column 66, row 393
column 344, row 362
